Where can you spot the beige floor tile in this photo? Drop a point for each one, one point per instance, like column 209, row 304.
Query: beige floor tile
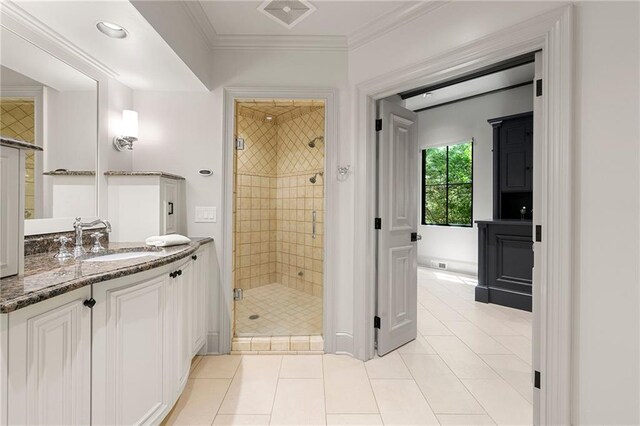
column 299, row 402
column 439, row 309
column 417, row 346
column 519, row 345
column 354, row 419
column 514, row 371
column 476, row 339
column 444, row 392
column 301, row 367
column 194, row 363
column 241, row 419
column 389, row 366
column 468, row 365
column 402, row 403
column 501, row 401
column 489, row 324
column 428, row 325
column 216, row 367
column 199, row 402
column 254, row 386
column 347, row 387
column 465, row 419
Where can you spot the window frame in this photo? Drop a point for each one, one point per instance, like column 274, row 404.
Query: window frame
column 423, row 219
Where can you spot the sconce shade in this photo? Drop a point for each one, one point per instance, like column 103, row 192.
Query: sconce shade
column 129, row 123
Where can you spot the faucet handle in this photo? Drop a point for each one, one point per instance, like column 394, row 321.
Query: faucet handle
column 97, row 247
column 63, row 253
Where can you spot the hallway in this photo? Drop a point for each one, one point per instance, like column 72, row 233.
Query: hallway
column 469, row 365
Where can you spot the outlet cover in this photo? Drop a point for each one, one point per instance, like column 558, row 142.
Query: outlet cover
column 206, row 214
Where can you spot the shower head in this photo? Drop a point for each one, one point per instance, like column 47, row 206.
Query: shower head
column 314, row 178
column 312, row 142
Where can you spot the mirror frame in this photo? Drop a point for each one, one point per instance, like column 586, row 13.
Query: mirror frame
column 14, row 19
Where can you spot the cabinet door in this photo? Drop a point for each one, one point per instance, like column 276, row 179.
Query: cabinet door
column 9, row 210
column 131, row 352
column 516, row 155
column 198, row 298
column 180, row 293
column 171, row 206
column 49, row 366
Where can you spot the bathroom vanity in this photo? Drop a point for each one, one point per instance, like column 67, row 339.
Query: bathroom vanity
column 103, row 339
column 505, row 243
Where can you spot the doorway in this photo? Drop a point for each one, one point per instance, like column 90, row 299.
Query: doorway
column 278, row 225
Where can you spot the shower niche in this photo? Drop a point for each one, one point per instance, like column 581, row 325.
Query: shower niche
column 278, row 218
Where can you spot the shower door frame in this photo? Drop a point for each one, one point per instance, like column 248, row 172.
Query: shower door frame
column 231, row 96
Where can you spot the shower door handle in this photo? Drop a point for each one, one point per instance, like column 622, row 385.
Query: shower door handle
column 314, row 215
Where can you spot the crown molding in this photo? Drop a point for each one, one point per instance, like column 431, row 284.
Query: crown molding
column 14, row 12
column 280, row 42
column 390, row 21
column 199, row 18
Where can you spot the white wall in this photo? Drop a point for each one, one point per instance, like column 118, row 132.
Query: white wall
column 606, row 321
column 72, row 129
column 458, row 246
column 120, row 97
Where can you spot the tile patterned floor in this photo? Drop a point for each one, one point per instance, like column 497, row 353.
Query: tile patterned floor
column 282, row 311
column 470, row 365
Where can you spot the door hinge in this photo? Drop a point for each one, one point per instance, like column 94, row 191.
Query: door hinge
column 538, row 233
column 414, row 236
column 239, row 143
column 536, row 379
column 237, row 294
column 539, row 87
column 376, row 322
column 377, row 223
column 378, row 124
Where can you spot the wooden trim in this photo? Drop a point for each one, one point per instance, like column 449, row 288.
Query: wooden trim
column 527, row 58
column 552, row 33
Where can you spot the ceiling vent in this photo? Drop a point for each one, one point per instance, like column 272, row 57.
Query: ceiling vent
column 285, row 12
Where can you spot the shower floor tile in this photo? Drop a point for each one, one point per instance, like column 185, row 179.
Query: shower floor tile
column 282, row 311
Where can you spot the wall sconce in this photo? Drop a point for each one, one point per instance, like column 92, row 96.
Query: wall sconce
column 129, row 131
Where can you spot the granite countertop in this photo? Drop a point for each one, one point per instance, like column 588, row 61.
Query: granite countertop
column 149, row 173
column 46, row 276
column 15, row 143
column 63, row 172
column 523, row 222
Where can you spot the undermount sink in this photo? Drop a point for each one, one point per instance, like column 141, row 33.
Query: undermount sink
column 120, row 256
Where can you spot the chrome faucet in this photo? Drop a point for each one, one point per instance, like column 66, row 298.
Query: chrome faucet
column 79, row 226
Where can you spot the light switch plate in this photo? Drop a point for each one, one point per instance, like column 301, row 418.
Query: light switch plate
column 206, row 214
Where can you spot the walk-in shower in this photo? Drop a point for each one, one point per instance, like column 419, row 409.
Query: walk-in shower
column 279, row 218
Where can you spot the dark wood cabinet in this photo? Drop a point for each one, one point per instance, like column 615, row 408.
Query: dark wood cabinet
column 505, row 243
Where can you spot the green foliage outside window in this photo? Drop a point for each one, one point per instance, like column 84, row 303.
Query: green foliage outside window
column 448, row 185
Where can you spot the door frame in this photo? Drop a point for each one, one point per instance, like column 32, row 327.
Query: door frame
column 329, row 96
column 552, row 34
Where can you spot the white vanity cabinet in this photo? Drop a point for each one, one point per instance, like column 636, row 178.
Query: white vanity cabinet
column 199, row 295
column 10, row 208
column 48, row 362
column 143, row 204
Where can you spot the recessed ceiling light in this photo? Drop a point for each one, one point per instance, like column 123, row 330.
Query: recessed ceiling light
column 111, row 30
column 286, row 9
column 427, row 95
column 268, row 117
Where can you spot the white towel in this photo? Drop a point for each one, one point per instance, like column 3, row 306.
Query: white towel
column 167, row 240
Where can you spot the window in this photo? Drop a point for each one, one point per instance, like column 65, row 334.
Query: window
column 447, row 185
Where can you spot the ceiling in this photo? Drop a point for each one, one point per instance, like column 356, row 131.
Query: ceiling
column 496, row 81
column 142, row 61
column 331, row 18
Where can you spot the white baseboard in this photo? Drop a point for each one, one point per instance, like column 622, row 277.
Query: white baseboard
column 213, row 343
column 463, row 267
column 344, row 344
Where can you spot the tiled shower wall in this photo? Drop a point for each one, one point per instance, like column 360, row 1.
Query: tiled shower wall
column 275, row 201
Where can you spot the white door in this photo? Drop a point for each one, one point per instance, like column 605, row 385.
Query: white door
column 131, row 352
column 180, row 294
column 171, row 206
column 49, row 362
column 398, row 211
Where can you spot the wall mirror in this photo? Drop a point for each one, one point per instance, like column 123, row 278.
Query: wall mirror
column 49, row 103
